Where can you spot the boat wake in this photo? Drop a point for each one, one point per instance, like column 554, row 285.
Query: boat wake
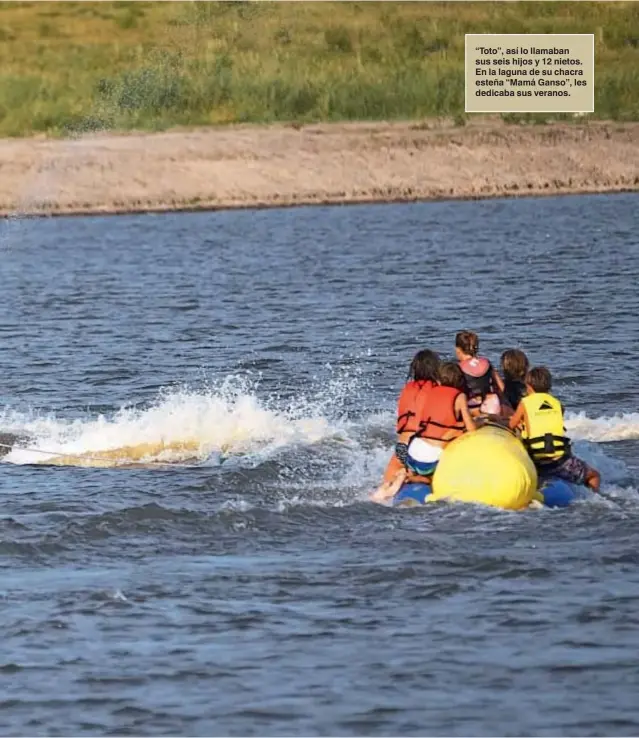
column 232, row 427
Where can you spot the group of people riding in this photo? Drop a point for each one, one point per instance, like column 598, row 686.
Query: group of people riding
column 442, row 400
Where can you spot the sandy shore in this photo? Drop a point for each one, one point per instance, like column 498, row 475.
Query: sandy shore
column 249, row 166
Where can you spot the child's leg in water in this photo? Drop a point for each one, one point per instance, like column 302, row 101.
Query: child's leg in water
column 393, row 467
column 593, row 479
column 390, row 488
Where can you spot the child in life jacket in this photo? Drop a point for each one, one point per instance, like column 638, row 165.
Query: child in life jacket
column 514, row 367
column 422, row 377
column 540, row 418
column 444, row 417
column 483, row 383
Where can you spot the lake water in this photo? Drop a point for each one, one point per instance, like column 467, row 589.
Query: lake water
column 241, row 583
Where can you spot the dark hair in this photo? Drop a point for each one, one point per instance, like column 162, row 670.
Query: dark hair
column 539, row 378
column 514, row 364
column 424, row 366
column 450, row 375
column 468, row 342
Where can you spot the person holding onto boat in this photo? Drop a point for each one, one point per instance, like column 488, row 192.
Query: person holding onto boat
column 540, row 419
column 483, row 384
column 422, row 377
column 514, row 367
column 444, row 416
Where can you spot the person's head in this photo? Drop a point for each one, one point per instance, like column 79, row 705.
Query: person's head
column 466, row 344
column 539, row 379
column 514, row 364
column 450, row 375
column 424, row 366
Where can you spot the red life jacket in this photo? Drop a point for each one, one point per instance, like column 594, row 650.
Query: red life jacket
column 410, row 407
column 439, row 420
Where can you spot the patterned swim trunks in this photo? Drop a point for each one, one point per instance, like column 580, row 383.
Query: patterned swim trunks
column 401, row 451
column 571, row 469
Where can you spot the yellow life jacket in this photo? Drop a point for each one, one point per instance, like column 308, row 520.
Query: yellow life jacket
column 543, row 434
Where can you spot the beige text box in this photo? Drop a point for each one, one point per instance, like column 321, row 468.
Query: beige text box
column 530, row 73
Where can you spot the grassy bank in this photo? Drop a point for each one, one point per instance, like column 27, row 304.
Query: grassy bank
column 71, row 67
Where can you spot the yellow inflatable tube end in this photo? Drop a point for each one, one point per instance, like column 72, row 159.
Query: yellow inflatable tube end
column 489, row 466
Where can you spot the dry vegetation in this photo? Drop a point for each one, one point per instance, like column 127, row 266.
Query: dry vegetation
column 75, row 67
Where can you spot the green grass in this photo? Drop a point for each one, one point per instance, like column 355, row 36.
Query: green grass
column 71, row 67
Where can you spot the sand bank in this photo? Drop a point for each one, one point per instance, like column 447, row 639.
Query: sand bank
column 251, row 166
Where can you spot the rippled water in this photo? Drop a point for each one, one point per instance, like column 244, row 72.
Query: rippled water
column 186, row 544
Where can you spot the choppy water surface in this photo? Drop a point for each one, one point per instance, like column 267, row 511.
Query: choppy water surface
column 241, row 583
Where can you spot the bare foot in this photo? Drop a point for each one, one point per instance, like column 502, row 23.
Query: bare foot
column 389, row 489
column 593, row 480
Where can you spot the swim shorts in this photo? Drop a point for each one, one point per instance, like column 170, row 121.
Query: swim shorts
column 401, row 451
column 571, row 469
column 423, row 457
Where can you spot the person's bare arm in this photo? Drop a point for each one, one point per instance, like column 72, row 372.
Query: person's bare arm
column 461, row 404
column 517, row 418
column 498, row 381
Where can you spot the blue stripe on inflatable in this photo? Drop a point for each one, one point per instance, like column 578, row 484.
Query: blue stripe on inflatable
column 413, row 493
column 558, row 493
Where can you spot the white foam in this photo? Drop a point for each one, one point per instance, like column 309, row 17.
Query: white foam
column 620, row 427
column 612, row 470
column 230, row 420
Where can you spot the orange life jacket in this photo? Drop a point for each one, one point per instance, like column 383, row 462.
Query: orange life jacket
column 410, row 407
column 439, row 420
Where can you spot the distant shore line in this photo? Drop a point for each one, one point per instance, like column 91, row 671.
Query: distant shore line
column 76, row 212
column 322, row 164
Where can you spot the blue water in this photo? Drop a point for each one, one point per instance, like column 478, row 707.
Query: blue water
column 186, row 541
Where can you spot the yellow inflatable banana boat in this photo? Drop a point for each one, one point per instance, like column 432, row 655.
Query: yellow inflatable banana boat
column 489, row 466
